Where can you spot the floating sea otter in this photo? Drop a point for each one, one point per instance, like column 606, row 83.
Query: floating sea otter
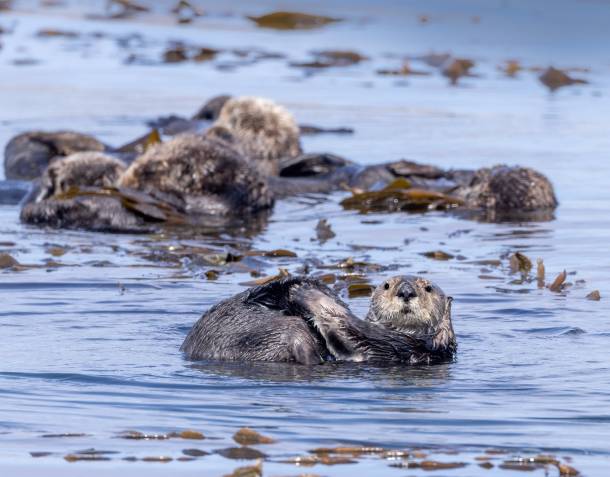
column 301, row 320
column 188, row 180
column 267, row 137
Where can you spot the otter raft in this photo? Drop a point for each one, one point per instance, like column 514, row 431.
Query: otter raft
column 252, row 239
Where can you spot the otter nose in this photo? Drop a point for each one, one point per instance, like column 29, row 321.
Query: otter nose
column 406, row 292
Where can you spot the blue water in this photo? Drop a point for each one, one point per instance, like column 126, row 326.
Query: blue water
column 90, row 344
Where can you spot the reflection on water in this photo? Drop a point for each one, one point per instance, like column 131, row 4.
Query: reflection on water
column 387, row 376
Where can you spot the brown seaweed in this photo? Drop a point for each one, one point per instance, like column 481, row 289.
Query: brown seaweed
column 292, row 21
column 554, row 79
column 396, row 200
column 246, row 436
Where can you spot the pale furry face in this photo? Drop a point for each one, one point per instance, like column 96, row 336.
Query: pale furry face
column 408, row 304
column 81, row 169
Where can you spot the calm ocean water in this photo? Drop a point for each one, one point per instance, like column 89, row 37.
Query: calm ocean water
column 90, row 333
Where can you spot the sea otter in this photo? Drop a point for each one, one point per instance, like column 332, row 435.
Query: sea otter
column 209, row 176
column 263, row 131
column 299, row 319
column 499, row 191
column 189, row 180
column 77, row 192
column 81, row 169
column 27, row 155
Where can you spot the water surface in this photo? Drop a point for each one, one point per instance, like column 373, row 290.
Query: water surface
column 90, row 343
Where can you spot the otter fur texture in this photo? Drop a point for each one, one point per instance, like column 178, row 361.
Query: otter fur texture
column 504, row 188
column 208, row 175
column 263, row 131
column 82, row 169
column 299, row 319
column 27, row 155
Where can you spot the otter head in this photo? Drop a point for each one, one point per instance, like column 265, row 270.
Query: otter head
column 411, row 305
column 81, row 169
column 517, row 189
column 263, row 131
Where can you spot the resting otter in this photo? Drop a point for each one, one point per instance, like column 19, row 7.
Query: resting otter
column 189, row 180
column 301, row 320
column 503, row 188
column 73, row 193
column 27, row 155
column 82, row 169
column 260, row 129
column 210, row 177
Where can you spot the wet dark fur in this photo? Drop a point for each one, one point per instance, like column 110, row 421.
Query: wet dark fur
column 301, row 320
column 499, row 189
column 27, row 155
column 255, row 325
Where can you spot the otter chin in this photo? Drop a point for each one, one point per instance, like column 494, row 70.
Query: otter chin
column 300, row 319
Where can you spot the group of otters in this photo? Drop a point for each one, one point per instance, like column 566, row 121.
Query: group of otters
column 248, row 155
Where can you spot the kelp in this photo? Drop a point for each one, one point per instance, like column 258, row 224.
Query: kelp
column 246, row 436
column 135, row 201
column 438, row 255
column 458, row 68
column 559, row 282
column 324, row 231
column 255, row 470
column 268, row 279
column 284, row 20
column 520, row 263
column 142, row 143
column 355, row 290
column 241, row 453
column 554, row 79
column 8, row 261
column 393, row 199
column 404, row 70
column 594, row 296
column 510, row 68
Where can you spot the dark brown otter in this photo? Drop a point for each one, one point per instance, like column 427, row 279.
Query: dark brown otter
column 210, row 177
column 27, row 155
column 300, row 320
column 189, row 180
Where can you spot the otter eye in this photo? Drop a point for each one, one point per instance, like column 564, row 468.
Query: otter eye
column 428, row 288
column 386, row 286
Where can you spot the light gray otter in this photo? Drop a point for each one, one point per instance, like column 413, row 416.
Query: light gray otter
column 298, row 319
column 263, row 131
column 27, row 155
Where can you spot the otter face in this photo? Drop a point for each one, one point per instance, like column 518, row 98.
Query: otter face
column 81, row 169
column 409, row 304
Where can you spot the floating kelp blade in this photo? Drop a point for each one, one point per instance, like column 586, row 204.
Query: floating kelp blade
column 143, row 143
column 247, row 437
column 554, row 79
column 292, row 21
column 396, row 200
